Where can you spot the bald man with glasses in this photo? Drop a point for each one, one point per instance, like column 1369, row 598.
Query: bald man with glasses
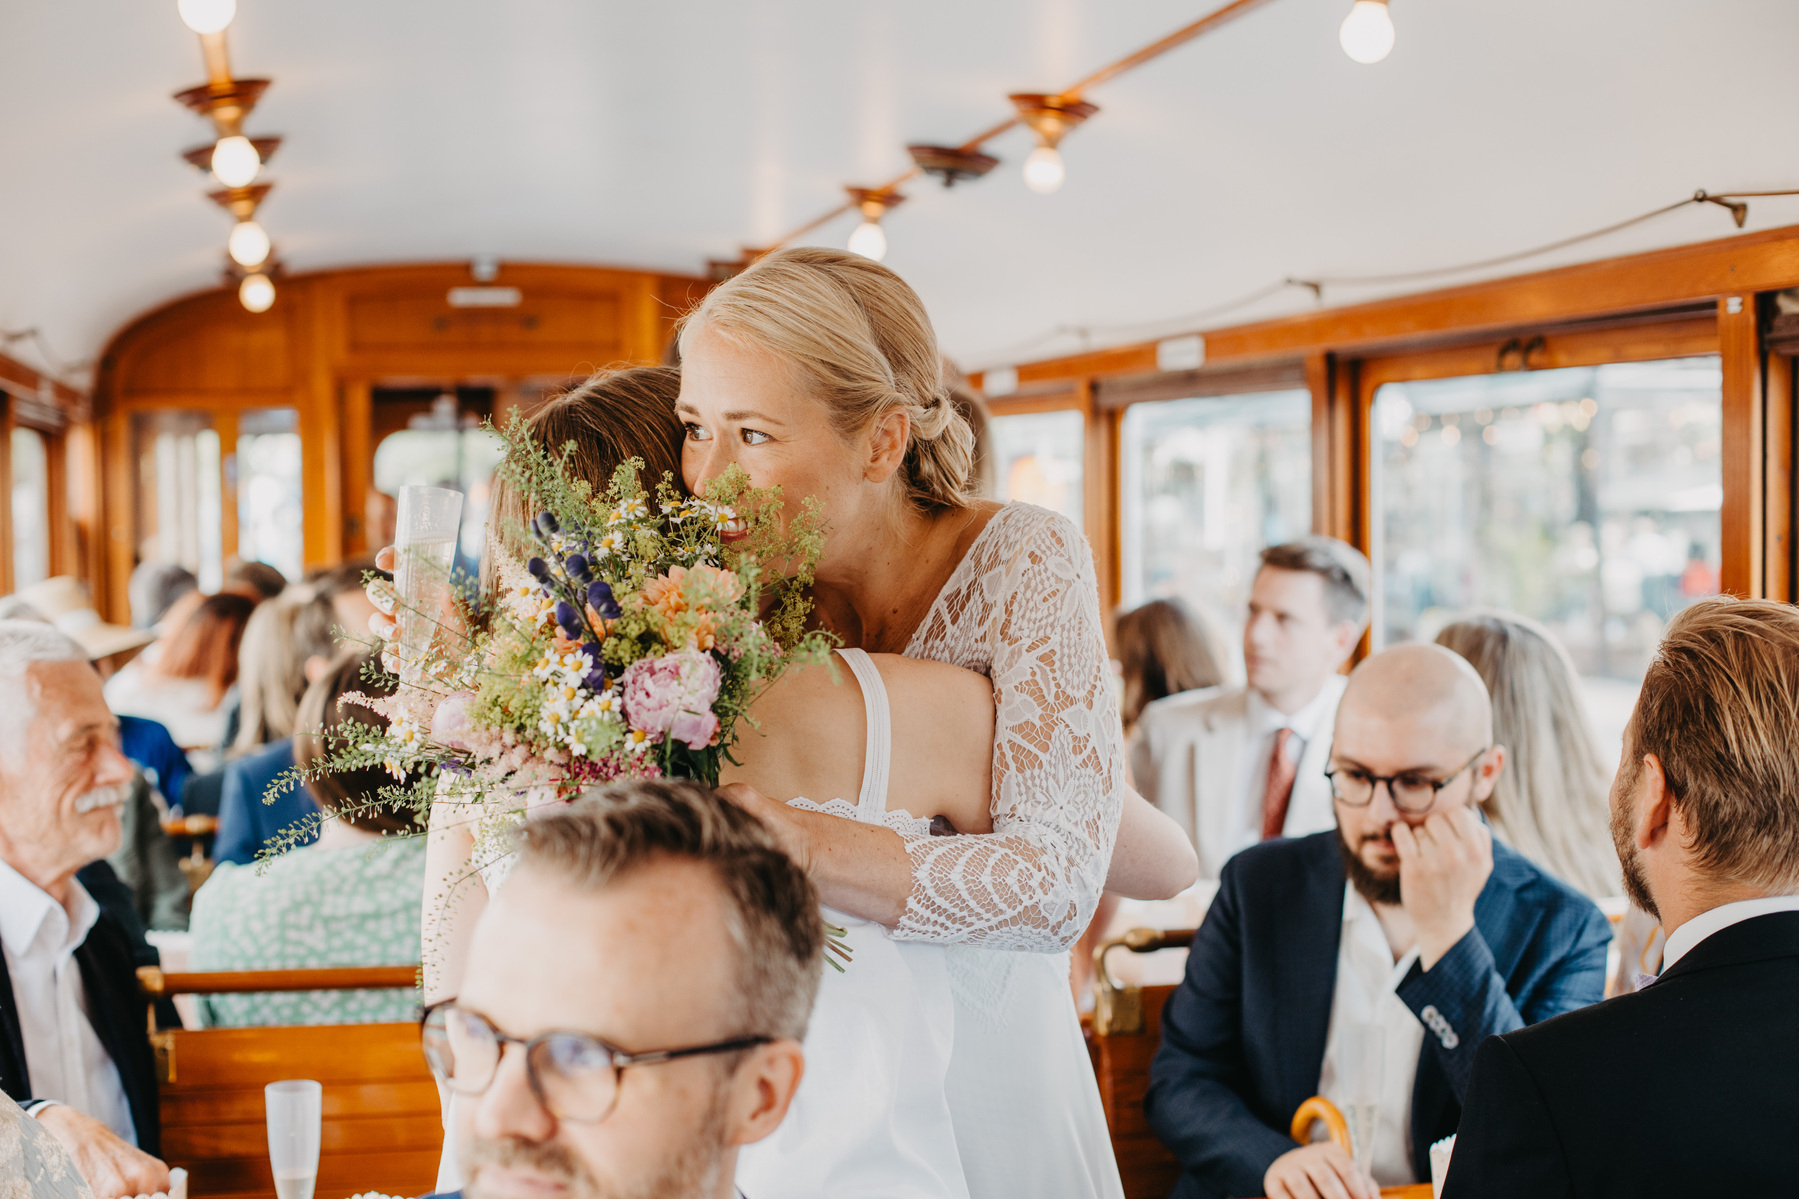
column 1406, row 925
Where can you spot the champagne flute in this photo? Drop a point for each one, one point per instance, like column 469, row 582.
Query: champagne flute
column 1362, row 1059
column 424, row 554
column 295, row 1110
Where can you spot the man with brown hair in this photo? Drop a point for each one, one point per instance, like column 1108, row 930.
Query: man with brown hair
column 1238, row 765
column 653, row 958
column 1685, row 1087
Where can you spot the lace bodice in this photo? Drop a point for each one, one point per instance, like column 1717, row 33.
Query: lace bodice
column 1023, row 609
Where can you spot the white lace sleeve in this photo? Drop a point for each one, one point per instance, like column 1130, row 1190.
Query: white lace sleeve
column 1023, row 608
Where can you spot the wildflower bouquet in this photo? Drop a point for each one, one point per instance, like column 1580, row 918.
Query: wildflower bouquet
column 628, row 645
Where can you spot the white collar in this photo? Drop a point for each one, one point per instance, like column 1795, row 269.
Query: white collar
column 1265, row 718
column 1360, row 919
column 1682, row 939
column 25, row 906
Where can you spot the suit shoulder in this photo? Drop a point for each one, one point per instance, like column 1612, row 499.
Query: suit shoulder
column 1536, row 887
column 1185, row 706
column 1278, row 861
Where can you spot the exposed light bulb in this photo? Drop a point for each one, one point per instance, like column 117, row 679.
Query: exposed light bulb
column 256, row 292
column 206, row 16
column 249, row 244
column 1043, row 171
column 869, row 241
column 235, row 161
column 1367, row 32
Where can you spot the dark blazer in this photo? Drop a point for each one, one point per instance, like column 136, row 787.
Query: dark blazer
column 1683, row 1088
column 1243, row 1036
column 246, row 823
column 109, row 974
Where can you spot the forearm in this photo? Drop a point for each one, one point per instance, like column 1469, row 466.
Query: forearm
column 1152, row 858
column 860, row 869
column 454, row 898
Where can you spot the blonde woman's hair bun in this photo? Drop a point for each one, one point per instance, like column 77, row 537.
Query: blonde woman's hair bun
column 862, row 339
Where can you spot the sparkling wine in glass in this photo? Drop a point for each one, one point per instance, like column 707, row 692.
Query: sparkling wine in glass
column 1363, row 1056
column 295, row 1110
column 425, row 530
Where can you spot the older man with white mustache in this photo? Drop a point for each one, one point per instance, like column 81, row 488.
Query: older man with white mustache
column 73, row 1047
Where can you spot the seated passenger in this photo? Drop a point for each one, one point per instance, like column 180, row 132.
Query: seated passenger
column 1408, row 916
column 180, row 680
column 1685, row 1087
column 287, row 645
column 349, row 899
column 73, row 1047
column 651, row 920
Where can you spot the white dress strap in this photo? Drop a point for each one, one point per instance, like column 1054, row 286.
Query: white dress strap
column 877, row 755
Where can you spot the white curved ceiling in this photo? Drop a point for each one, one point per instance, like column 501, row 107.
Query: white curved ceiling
column 662, row 134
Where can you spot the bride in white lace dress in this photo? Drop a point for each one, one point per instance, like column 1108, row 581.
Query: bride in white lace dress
column 818, row 371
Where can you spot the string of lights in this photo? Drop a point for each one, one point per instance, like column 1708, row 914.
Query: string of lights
column 234, row 159
column 1735, row 202
column 1366, row 35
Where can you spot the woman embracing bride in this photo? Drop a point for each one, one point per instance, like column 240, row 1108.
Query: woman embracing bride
column 956, row 803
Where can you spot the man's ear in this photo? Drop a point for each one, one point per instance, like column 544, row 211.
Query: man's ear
column 1654, row 803
column 1345, row 634
column 887, row 445
column 762, row 1090
column 1487, row 772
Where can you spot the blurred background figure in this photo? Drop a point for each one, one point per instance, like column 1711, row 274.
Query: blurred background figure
column 63, row 601
column 154, row 587
column 1550, row 801
column 258, row 580
column 379, row 511
column 181, row 679
column 1164, row 650
column 974, row 410
column 287, row 645
column 341, row 901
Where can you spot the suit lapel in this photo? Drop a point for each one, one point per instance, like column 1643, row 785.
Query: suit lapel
column 15, row 1076
column 1312, row 923
column 1216, row 751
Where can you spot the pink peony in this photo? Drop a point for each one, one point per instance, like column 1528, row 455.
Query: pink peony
column 450, row 724
column 672, row 696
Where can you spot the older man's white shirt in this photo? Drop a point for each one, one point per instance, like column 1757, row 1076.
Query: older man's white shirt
column 63, row 1054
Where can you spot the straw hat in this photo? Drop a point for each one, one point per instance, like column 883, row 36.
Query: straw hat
column 63, row 602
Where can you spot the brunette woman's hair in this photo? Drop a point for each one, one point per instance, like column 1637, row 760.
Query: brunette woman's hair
column 327, row 725
column 613, row 416
column 206, row 646
column 1164, row 650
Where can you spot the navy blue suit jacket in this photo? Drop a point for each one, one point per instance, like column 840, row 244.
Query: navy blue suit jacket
column 246, row 823
column 149, row 745
column 1243, row 1036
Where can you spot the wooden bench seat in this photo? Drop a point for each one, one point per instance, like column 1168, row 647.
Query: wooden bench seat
column 382, row 1128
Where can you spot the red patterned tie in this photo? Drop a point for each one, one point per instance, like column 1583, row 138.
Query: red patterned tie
column 1281, row 774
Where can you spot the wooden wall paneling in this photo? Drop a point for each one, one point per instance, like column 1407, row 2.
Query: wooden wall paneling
column 119, row 523
column 1677, row 336
column 1318, row 381
column 1100, row 472
column 86, row 506
column 357, row 423
column 1739, row 348
column 1780, row 564
column 6, row 539
column 321, row 433
column 224, row 423
column 62, row 530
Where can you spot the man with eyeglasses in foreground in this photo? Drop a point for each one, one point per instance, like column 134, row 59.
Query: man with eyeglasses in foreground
column 1407, row 919
column 634, row 1002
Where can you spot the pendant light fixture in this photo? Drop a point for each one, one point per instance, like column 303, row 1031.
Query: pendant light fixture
column 1367, row 32
column 256, row 292
column 868, row 239
column 1050, row 118
column 207, row 16
column 248, row 244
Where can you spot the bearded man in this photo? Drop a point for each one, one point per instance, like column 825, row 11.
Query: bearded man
column 1407, row 918
column 74, row 1051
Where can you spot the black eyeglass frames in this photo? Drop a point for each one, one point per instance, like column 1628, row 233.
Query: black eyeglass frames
column 1413, row 793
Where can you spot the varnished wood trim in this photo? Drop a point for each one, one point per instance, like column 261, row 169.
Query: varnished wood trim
column 1779, row 563
column 1739, row 349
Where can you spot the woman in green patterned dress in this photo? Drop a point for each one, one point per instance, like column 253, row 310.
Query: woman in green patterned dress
column 349, row 899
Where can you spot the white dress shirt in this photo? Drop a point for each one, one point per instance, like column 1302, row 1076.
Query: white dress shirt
column 63, row 1054
column 1263, row 722
column 1682, row 939
column 1367, row 978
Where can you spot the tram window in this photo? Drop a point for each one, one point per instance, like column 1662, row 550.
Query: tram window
column 179, row 492
column 1587, row 498
column 270, row 508
column 1038, row 458
column 461, row 459
column 1207, row 484
column 30, row 508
